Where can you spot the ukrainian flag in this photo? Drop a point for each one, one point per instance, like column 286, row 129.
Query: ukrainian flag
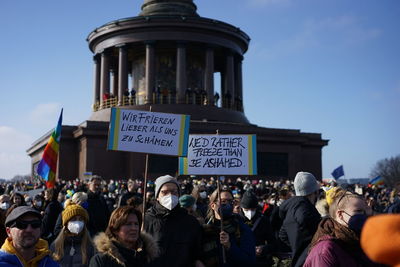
column 378, row 180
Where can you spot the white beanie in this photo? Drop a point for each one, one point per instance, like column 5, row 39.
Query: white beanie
column 305, row 184
column 160, row 181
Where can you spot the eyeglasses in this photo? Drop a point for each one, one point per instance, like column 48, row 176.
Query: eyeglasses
column 22, row 225
column 227, row 201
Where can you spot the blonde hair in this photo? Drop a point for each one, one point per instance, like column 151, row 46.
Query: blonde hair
column 58, row 254
column 67, row 202
column 340, row 199
column 79, row 197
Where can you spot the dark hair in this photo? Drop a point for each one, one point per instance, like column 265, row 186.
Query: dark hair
column 96, row 177
column 119, row 217
column 52, row 193
column 21, row 196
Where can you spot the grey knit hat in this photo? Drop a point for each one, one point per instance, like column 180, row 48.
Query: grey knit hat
column 160, row 181
column 305, row 184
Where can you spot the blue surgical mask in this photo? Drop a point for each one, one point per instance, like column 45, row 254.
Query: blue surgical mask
column 356, row 222
column 226, row 210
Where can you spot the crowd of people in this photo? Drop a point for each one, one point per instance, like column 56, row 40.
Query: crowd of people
column 197, row 222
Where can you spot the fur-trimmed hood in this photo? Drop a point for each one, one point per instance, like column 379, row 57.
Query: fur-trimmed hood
column 105, row 245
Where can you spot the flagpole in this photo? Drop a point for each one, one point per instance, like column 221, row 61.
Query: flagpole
column 221, row 218
column 344, row 174
column 145, row 185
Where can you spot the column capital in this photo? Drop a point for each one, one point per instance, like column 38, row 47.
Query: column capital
column 181, row 43
column 124, row 45
column 150, row 42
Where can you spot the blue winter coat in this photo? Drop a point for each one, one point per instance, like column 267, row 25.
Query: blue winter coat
column 7, row 259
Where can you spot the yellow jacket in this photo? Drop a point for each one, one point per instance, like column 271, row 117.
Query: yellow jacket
column 41, row 249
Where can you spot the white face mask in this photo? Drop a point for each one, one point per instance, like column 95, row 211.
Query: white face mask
column 75, row 227
column 169, row 201
column 249, row 213
column 4, row 205
column 203, row 194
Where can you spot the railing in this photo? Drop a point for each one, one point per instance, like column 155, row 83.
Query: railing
column 192, row 98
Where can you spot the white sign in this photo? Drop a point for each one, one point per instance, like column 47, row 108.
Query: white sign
column 148, row 132
column 220, row 155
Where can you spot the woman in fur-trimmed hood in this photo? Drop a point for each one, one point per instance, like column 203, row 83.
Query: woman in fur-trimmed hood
column 123, row 244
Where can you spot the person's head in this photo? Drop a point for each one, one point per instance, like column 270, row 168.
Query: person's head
column 380, row 239
column 95, row 184
column 188, row 202
column 18, row 199
column 225, row 208
column 199, row 192
column 23, row 227
column 38, row 201
column 249, row 204
column 124, row 226
column 132, row 186
column 349, row 209
column 74, row 219
column 284, row 193
column 167, row 191
column 306, row 185
column 28, row 200
column 61, row 197
column 50, row 194
column 79, row 198
column 322, row 207
column 5, row 202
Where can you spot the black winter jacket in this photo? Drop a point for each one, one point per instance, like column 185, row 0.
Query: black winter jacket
column 300, row 221
column 53, row 209
column 177, row 234
column 98, row 213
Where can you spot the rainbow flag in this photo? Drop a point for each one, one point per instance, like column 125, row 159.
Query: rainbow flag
column 47, row 167
column 377, row 181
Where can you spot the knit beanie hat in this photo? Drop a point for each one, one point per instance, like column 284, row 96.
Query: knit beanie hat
column 305, row 184
column 160, row 181
column 249, row 200
column 186, row 201
column 73, row 210
column 380, row 239
column 330, row 195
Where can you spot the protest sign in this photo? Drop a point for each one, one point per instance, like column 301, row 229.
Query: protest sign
column 148, row 132
column 31, row 193
column 220, row 155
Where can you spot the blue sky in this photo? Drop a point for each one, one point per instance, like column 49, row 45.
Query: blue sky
column 324, row 66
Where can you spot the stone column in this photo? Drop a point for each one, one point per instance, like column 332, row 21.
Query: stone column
column 96, row 80
column 239, row 83
column 122, row 73
column 150, row 72
column 209, row 76
column 104, row 76
column 181, row 79
column 114, row 82
column 229, row 80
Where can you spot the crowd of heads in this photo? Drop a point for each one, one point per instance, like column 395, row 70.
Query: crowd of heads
column 207, row 199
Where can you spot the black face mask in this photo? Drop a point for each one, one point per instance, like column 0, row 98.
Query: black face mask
column 226, row 210
column 356, row 222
